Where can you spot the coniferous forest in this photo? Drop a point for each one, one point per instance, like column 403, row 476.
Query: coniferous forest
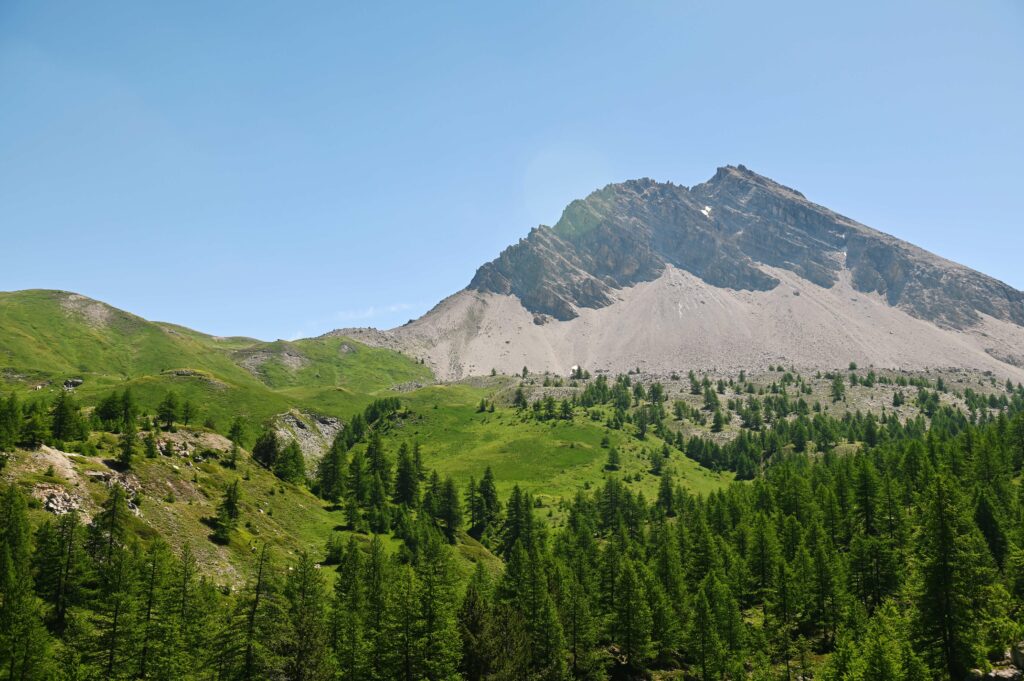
column 899, row 559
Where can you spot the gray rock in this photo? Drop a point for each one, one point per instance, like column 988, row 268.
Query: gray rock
column 721, row 231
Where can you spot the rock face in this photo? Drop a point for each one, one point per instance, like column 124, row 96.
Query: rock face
column 313, row 432
column 737, row 272
column 723, row 232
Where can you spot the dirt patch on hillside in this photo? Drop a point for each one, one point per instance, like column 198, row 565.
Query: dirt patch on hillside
column 254, row 360
column 95, row 314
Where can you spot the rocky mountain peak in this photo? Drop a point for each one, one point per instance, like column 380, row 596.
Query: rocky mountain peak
column 732, row 232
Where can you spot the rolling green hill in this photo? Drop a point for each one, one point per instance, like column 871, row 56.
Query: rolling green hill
column 50, row 336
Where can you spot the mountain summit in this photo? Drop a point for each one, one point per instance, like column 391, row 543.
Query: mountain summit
column 739, row 271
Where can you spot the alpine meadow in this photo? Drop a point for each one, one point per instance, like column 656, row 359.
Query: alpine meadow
column 704, row 432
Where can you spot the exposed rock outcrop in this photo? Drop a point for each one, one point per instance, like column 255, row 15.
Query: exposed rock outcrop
column 724, row 231
column 737, row 272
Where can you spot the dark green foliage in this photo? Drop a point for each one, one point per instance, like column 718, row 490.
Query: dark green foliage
column 290, row 464
column 897, row 557
column 168, row 411
column 266, row 449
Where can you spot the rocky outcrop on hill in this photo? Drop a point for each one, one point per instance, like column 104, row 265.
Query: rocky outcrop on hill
column 313, row 432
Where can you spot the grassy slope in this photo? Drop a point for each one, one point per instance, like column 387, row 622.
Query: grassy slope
column 178, row 494
column 51, row 335
column 552, row 460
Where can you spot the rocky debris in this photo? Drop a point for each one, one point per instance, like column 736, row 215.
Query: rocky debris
column 1016, row 655
column 196, row 374
column 1007, row 673
column 1008, row 667
column 95, row 313
column 314, row 432
column 128, row 481
column 61, row 462
column 375, row 338
column 254, row 359
column 407, row 387
column 1010, row 358
column 56, row 499
column 192, row 445
column 72, row 383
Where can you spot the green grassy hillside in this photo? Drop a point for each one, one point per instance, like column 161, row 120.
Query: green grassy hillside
column 552, row 460
column 50, row 336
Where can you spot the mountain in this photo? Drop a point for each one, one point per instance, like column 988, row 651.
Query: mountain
column 737, row 272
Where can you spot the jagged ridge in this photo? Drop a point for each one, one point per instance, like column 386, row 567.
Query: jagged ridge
column 722, row 231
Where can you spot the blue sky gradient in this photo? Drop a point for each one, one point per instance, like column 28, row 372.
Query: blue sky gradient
column 281, row 169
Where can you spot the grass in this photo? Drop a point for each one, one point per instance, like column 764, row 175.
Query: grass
column 49, row 336
column 552, row 460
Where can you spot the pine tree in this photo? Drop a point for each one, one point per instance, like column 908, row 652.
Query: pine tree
column 24, row 642
column 956, row 573
column 34, row 428
column 129, row 441
column 632, row 617
column 377, row 460
column 266, row 449
column 474, row 622
column 357, row 482
column 614, row 462
column 228, row 512
column 377, row 581
column 347, row 633
column 167, row 410
column 306, row 647
column 237, row 431
column 59, row 566
column 160, row 654
column 438, row 642
column 65, row 421
column 407, row 482
column 704, row 643
column 450, row 511
column 10, row 424
column 991, row 528
column 188, row 412
column 331, row 471
column 290, row 465
column 150, row 445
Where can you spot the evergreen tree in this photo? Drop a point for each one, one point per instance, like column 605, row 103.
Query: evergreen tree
column 168, row 410
column 474, row 622
column 65, row 421
column 306, row 648
column 24, row 642
column 228, row 512
column 346, row 626
column 956, row 574
column 438, row 643
column 59, row 566
column 330, row 476
column 188, row 412
column 266, row 449
column 632, row 618
column 127, row 447
column 407, row 482
column 290, row 465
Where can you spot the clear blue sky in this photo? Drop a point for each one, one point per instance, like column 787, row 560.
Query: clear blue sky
column 280, row 169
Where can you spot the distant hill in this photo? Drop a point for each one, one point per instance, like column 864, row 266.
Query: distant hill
column 737, row 272
column 52, row 336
